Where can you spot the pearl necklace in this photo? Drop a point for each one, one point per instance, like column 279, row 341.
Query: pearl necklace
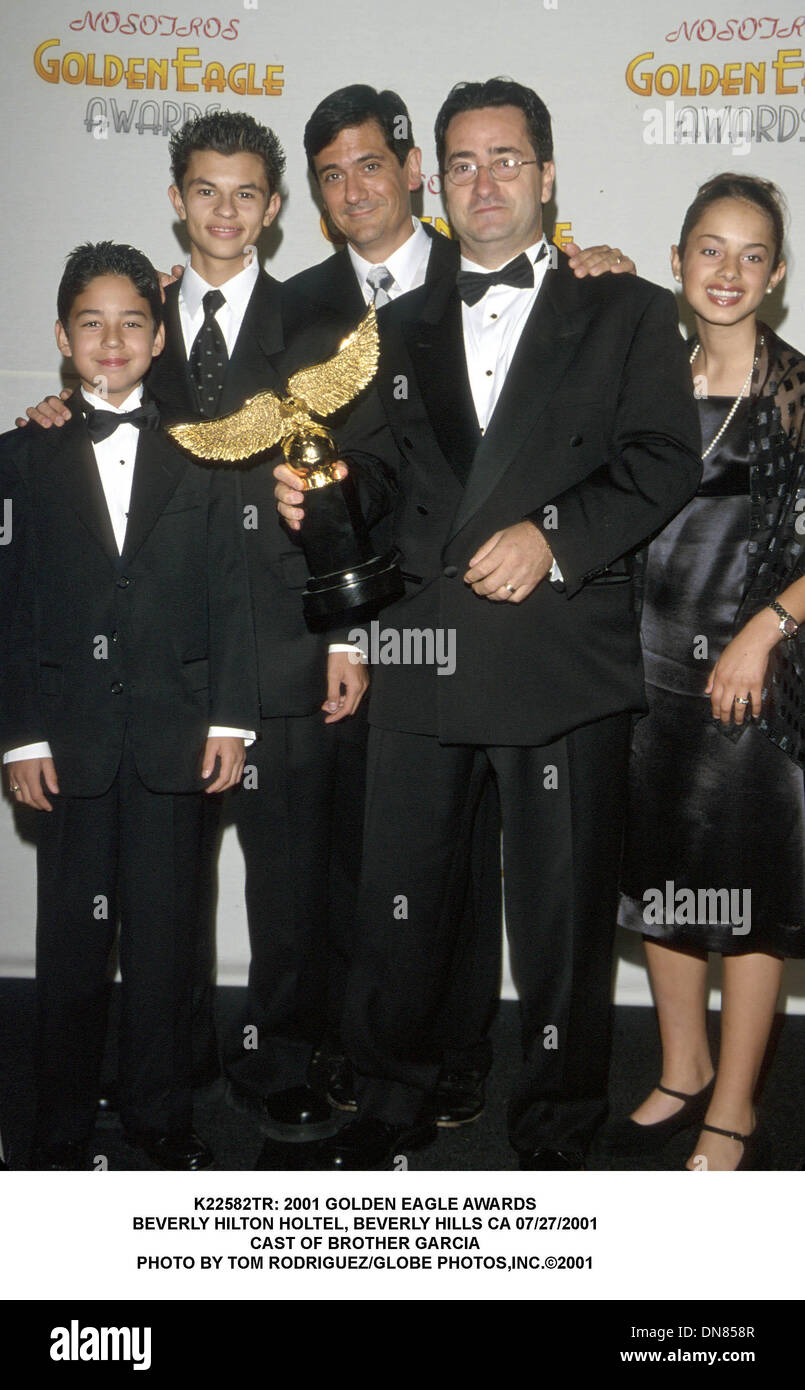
column 738, row 398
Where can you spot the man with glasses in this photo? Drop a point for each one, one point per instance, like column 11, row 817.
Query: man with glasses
column 367, row 168
column 546, row 431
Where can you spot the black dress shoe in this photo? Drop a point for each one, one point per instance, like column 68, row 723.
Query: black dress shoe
column 371, row 1143
column 341, row 1083
column 625, row 1138
column 62, row 1158
column 553, row 1161
column 183, row 1152
column 295, row 1116
column 458, row 1098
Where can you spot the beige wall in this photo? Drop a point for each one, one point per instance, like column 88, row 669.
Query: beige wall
column 618, row 178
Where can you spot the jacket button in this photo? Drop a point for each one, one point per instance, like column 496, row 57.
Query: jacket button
column 123, row 582
column 116, row 687
column 575, row 440
column 450, row 571
column 115, row 636
column 423, row 511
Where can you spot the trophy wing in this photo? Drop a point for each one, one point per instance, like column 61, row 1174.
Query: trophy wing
column 324, row 388
column 256, row 426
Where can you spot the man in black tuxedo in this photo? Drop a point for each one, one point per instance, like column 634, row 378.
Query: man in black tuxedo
column 546, row 432
column 362, row 157
column 128, row 683
column 361, row 154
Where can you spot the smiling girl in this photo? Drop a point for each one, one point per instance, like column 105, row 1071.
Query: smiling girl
column 716, row 794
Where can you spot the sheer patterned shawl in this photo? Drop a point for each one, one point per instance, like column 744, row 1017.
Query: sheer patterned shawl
column 777, row 529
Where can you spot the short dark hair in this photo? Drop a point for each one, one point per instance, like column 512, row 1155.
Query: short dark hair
column 351, row 106
column 227, row 132
column 765, row 195
column 87, row 262
column 497, row 91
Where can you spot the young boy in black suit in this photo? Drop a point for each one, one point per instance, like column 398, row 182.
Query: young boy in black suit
column 226, row 171
column 128, row 688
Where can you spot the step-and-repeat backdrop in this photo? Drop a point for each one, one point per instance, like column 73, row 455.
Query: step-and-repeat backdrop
column 647, row 102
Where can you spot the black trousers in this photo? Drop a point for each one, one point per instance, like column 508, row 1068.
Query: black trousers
column 301, row 831
column 298, row 818
column 132, row 854
column 562, row 808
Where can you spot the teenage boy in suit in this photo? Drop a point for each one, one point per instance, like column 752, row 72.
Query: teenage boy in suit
column 226, row 176
column 128, row 689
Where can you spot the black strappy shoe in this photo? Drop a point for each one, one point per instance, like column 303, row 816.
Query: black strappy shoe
column 627, row 1138
column 754, row 1147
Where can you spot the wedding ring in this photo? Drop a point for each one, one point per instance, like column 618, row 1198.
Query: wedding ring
column 739, row 701
column 619, row 260
column 14, row 787
column 510, row 588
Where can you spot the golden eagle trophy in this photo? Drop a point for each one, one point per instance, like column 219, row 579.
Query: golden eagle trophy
column 347, row 579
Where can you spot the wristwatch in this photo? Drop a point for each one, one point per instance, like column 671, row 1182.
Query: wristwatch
column 789, row 627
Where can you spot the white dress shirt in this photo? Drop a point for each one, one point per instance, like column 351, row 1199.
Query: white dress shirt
column 115, row 458
column 408, row 264
column 492, row 330
column 237, row 292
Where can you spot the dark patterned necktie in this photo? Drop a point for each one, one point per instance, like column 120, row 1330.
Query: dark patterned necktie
column 208, row 356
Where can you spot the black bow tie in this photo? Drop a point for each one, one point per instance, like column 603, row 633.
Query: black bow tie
column 472, row 285
column 102, row 423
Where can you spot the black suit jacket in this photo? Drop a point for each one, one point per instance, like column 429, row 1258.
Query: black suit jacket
column 328, row 295
column 158, row 639
column 285, row 327
column 320, row 306
column 291, row 660
column 595, row 435
column 252, row 367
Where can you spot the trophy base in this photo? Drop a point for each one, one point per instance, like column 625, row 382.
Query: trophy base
column 354, row 594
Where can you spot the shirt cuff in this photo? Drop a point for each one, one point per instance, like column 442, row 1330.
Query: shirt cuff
column 27, row 750
column 348, row 647
column 218, row 731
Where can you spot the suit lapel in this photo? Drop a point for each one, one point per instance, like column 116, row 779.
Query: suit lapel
column 436, row 348
column 169, row 379
column 249, row 369
column 547, row 345
column 444, row 257
column 260, row 339
column 78, row 476
column 157, row 469
column 342, row 292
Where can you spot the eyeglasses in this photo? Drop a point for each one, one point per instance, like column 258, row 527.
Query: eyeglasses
column 502, row 170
